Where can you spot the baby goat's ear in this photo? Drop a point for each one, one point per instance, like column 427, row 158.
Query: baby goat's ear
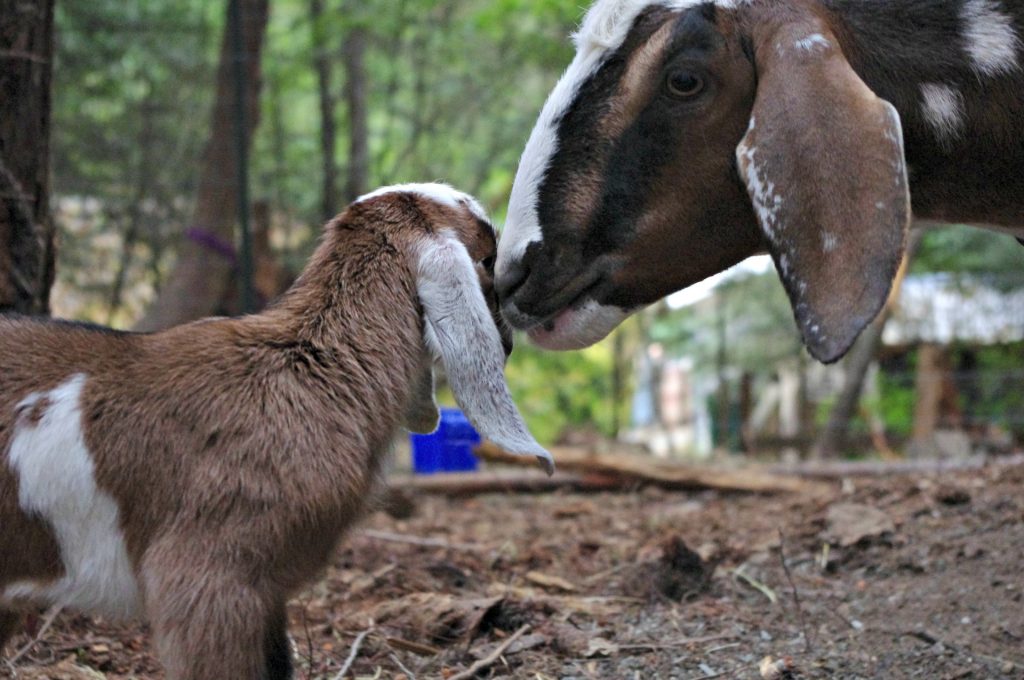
column 459, row 329
column 823, row 163
column 421, row 415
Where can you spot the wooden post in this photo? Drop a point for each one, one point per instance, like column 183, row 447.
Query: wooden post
column 928, row 388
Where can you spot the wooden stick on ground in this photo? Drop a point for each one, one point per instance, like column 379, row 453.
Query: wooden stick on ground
column 420, row 541
column 666, row 474
column 492, row 657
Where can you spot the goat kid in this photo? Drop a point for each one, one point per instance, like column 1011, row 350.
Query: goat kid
column 687, row 135
column 199, row 475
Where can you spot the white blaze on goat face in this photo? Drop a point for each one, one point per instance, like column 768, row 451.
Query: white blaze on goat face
column 989, row 37
column 604, row 29
column 57, row 482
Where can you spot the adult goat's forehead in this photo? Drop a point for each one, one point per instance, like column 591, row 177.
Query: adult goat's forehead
column 608, row 22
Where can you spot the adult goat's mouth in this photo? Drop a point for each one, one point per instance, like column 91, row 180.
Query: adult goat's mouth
column 545, row 313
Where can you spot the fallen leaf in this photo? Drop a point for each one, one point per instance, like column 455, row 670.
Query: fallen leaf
column 439, row 618
column 849, row 523
column 600, row 647
column 550, row 581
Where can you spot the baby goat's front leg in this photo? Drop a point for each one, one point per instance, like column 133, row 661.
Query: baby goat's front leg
column 211, row 622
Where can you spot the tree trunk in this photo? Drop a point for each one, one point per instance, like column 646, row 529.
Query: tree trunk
column 358, row 132
column 26, row 229
column 206, row 257
column 833, row 438
column 328, row 130
column 931, row 368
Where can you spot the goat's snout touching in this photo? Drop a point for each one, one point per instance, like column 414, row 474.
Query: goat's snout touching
column 167, row 474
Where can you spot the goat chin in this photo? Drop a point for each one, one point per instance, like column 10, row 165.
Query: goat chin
column 175, row 468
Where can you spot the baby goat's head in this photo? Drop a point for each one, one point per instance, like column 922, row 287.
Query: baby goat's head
column 451, row 245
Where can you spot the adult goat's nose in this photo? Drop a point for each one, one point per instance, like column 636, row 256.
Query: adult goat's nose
column 509, row 279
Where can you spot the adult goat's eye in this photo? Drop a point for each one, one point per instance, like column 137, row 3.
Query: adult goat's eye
column 684, row 84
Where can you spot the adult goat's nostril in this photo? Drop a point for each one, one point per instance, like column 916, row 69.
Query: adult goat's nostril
column 509, row 280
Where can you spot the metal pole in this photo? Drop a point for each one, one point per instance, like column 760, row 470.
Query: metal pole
column 242, row 157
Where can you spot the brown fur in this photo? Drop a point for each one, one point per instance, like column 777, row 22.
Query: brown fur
column 238, row 450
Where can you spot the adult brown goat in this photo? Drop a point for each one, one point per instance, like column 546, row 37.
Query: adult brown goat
column 686, row 136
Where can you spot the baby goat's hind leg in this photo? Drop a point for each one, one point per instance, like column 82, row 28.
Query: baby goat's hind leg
column 277, row 648
column 211, row 626
column 8, row 626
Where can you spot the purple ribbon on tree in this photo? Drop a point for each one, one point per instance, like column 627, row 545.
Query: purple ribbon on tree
column 213, row 242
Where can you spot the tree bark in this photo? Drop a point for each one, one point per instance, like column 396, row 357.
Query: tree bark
column 355, row 97
column 206, row 258
column 833, row 438
column 328, row 129
column 26, row 229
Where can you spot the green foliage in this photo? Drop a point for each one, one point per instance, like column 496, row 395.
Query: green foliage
column 996, row 258
column 749, row 313
column 555, row 390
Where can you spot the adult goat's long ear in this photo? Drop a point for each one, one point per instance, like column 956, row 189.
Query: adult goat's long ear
column 823, row 163
column 421, row 414
column 459, row 329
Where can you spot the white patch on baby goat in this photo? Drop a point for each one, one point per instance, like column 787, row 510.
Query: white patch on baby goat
column 943, row 108
column 990, row 38
column 57, row 482
column 437, row 191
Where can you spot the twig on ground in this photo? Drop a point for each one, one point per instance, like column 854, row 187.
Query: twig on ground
column 718, row 648
column 682, row 642
column 796, row 594
column 491, row 658
column 47, row 622
column 420, row 541
column 762, row 588
column 309, row 636
column 398, row 662
column 606, row 572
column 353, row 653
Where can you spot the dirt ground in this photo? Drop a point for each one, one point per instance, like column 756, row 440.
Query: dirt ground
column 922, row 577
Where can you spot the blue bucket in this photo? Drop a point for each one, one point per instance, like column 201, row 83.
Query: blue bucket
column 449, row 449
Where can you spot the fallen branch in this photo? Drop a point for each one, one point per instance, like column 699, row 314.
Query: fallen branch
column 632, row 469
column 491, row 658
column 475, row 483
